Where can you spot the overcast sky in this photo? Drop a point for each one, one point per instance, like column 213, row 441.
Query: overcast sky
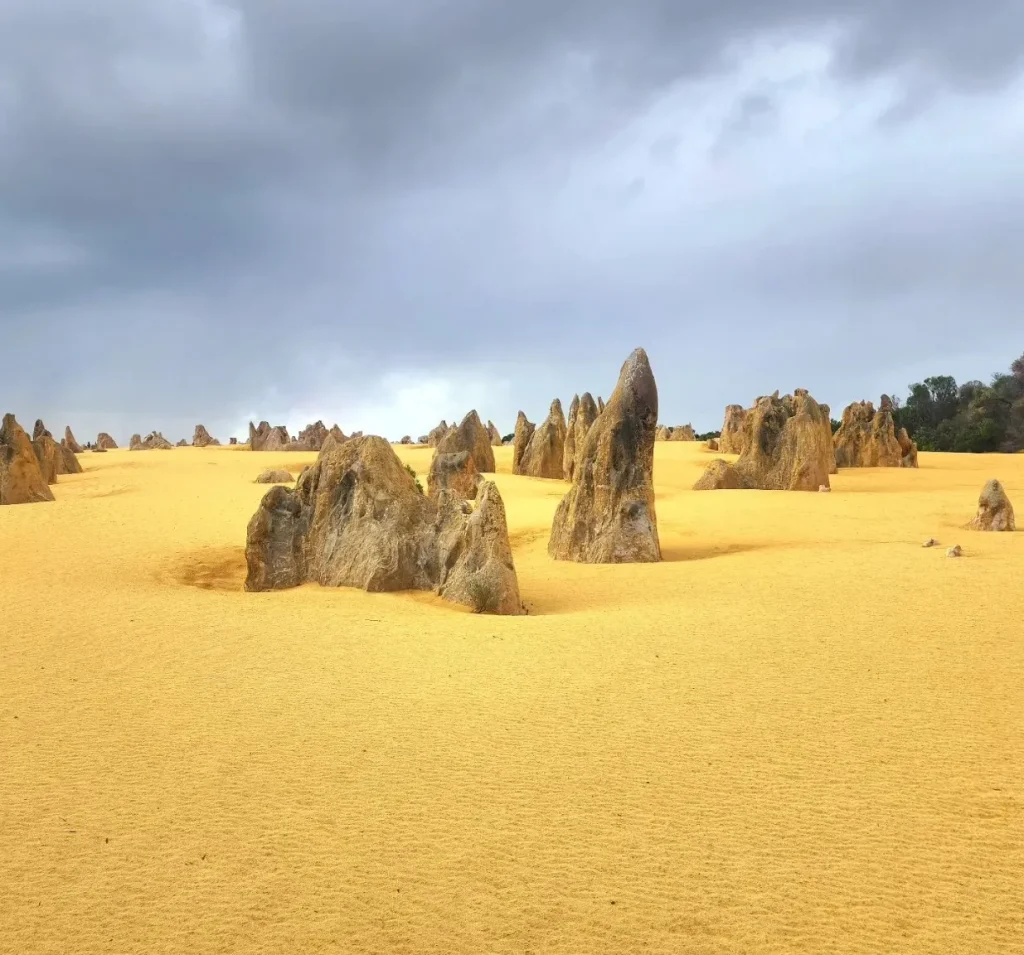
column 385, row 212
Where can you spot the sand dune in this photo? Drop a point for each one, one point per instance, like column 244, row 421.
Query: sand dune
column 801, row 732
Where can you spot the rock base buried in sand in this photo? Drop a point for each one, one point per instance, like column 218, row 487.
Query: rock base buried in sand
column 608, row 516
column 995, row 512
column 275, row 476
column 21, row 480
column 357, row 519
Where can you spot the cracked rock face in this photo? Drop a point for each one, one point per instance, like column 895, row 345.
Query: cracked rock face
column 544, row 454
column 868, row 439
column 995, row 512
column 21, row 479
column 608, row 516
column 357, row 519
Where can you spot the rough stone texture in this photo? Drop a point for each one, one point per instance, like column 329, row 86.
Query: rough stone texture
column 662, row 433
column 683, row 432
column 470, row 436
column 154, row 441
column 787, row 447
column 21, row 480
column 48, row 454
column 586, row 415
column 181, row 444
column 995, row 512
column 105, row 442
column 494, row 435
column 201, row 438
column 454, row 472
column 719, row 476
column 268, row 438
column 608, row 516
column 69, row 440
column 437, row 433
column 600, row 405
column 732, row 440
column 357, row 519
column 569, row 451
column 867, row 438
column 713, row 444
column 826, row 411
column 544, row 456
column 69, row 461
column 275, row 476
column 312, row 437
column 908, row 449
column 521, row 440
column 40, row 431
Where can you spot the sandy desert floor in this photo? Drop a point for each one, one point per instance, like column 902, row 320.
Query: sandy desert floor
column 802, row 732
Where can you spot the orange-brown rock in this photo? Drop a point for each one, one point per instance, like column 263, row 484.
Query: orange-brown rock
column 154, row 441
column 437, row 433
column 662, row 433
column 454, row 472
column 311, row 437
column 608, row 516
column 786, row 447
column 105, row 442
column 908, row 449
column 544, row 455
column 521, row 440
column 471, row 436
column 275, row 476
column 21, row 480
column 732, row 440
column 201, row 438
column 682, row 432
column 719, row 476
column 712, row 444
column 357, row 519
column 69, row 440
column 69, row 463
column 267, row 437
column 47, row 452
column 867, row 438
column 40, row 431
column 995, row 512
column 576, row 436
column 494, row 435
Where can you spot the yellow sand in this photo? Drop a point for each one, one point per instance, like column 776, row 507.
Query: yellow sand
column 802, row 732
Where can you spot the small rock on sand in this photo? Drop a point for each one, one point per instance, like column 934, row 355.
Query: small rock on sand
column 954, row 551
column 275, row 476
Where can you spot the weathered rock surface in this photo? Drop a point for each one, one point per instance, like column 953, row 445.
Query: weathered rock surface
column 105, row 442
column 569, row 452
column 154, row 441
column 454, row 472
column 787, row 448
column 494, row 434
column 471, row 436
column 544, row 455
column 995, row 512
column 437, row 433
column 69, row 440
column 275, row 476
column 908, row 449
column 600, row 405
column 69, row 461
column 732, row 440
column 40, row 431
column 48, row 454
column 712, row 444
column 21, row 480
column 719, row 476
column 826, row 411
column 662, row 433
column 201, row 438
column 267, row 437
column 608, row 516
column 576, row 435
column 520, row 440
column 867, row 438
column 312, row 437
column 682, row 432
column 357, row 519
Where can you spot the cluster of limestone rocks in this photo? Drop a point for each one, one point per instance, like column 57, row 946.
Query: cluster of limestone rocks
column 550, row 450
column 28, row 466
column 683, row 432
column 359, row 518
column 314, row 437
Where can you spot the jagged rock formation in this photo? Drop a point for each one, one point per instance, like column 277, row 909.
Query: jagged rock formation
column 267, row 438
column 105, row 442
column 600, row 405
column 608, row 516
column 576, row 433
column 454, row 472
column 69, row 461
column 311, row 437
column 662, row 433
column 908, row 449
column 470, row 436
column 39, row 431
column 492, row 432
column 521, row 439
column 682, row 432
column 569, row 452
column 867, row 438
column 544, row 455
column 787, row 448
column 437, row 433
column 995, row 512
column 732, row 440
column 275, row 476
column 153, row 441
column 21, row 480
column 69, row 440
column 357, row 519
column 201, row 438
column 826, row 411
column 181, row 444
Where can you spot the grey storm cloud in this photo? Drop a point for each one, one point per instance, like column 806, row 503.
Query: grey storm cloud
column 215, row 210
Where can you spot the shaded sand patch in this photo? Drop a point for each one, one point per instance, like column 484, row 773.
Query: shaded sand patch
column 810, row 741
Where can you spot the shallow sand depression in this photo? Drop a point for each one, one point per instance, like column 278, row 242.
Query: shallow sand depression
column 801, row 732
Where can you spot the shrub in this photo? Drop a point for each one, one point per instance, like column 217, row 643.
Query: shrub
column 483, row 595
column 412, row 474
